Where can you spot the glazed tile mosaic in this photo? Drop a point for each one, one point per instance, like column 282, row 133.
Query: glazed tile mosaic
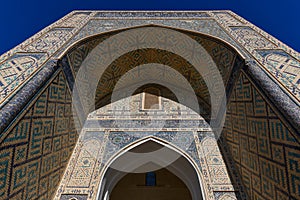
column 259, row 144
column 222, row 55
column 264, row 148
column 36, row 148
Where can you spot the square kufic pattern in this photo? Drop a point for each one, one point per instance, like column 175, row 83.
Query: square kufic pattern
column 293, row 165
column 267, row 154
column 20, row 154
column 5, row 170
column 39, row 155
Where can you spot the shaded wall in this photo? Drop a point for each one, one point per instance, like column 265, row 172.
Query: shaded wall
column 265, row 149
column 35, row 148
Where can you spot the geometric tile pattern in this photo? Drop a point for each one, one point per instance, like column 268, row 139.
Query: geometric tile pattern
column 225, row 196
column 73, row 20
column 279, row 44
column 41, row 46
column 119, row 139
column 227, row 19
column 223, row 56
column 284, row 67
column 50, row 41
column 213, row 165
column 266, row 152
column 250, row 39
column 143, row 14
column 35, row 149
column 216, row 166
column 79, row 53
column 16, row 69
column 96, row 26
column 258, row 44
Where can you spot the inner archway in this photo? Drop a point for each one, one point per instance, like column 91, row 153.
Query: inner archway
column 155, row 180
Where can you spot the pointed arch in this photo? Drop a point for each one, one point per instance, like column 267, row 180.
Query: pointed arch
column 184, row 167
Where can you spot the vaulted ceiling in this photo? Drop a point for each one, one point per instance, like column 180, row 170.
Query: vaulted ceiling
column 222, row 54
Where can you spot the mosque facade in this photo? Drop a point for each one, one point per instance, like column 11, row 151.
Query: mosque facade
column 150, row 105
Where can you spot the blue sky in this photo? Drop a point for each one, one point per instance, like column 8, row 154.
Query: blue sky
column 21, row 19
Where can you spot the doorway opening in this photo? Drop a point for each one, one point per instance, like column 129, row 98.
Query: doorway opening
column 153, row 179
